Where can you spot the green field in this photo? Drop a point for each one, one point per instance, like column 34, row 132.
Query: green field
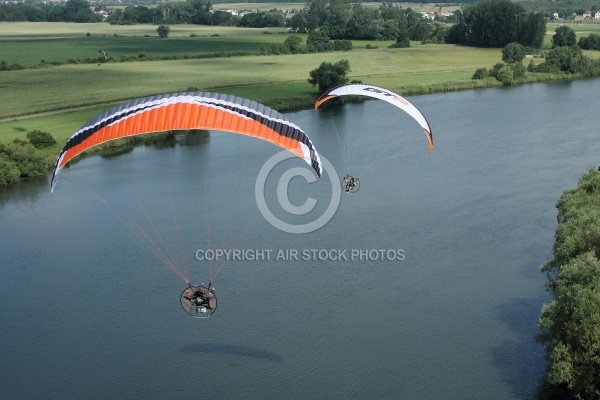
column 29, row 43
column 45, row 89
column 79, row 91
column 581, row 30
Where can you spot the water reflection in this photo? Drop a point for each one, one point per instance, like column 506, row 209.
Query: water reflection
column 520, row 359
column 232, row 350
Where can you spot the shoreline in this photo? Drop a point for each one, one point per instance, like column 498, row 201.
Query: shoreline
column 291, row 106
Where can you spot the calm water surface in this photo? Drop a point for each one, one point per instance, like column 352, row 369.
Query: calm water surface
column 89, row 311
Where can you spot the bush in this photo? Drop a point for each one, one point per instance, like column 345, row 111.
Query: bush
column 513, row 53
column 9, row 173
column 27, row 159
column 505, row 75
column 480, row 73
column 293, row 43
column 329, row 75
column 518, row 70
column 318, row 41
column 401, row 43
column 591, row 42
column 342, row 45
column 40, row 139
column 495, row 69
column 163, row 31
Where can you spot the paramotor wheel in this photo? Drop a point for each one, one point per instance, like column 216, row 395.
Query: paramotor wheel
column 198, row 306
column 350, row 184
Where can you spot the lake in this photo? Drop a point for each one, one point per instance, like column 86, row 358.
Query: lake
column 424, row 284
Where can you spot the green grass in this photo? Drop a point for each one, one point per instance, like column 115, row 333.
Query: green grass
column 581, row 30
column 40, row 90
column 29, row 43
column 47, row 30
column 277, row 81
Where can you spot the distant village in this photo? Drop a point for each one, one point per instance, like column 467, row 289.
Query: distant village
column 586, row 15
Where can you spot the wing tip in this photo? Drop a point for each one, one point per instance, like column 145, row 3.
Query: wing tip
column 430, row 140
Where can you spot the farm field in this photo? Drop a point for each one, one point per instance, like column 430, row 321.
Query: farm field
column 66, row 86
column 29, row 43
column 581, row 30
column 75, row 85
column 78, row 91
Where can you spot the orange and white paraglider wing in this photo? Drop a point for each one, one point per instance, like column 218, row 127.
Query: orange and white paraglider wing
column 381, row 94
column 190, row 110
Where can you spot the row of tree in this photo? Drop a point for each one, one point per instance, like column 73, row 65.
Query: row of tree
column 489, row 23
column 569, row 325
column 70, row 11
column 495, row 23
column 564, row 58
column 339, row 19
column 565, row 36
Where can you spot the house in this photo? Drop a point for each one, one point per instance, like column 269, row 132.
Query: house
column 597, row 15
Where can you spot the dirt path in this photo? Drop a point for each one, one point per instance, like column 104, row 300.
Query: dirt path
column 55, row 112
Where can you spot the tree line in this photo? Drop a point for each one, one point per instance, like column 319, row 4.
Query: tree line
column 70, row 11
column 489, row 23
column 25, row 158
column 569, row 325
column 495, row 23
column 338, row 19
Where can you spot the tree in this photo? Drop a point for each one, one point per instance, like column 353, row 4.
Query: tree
column 330, row 75
column 363, row 24
column 163, row 31
column 495, row 23
column 200, row 11
column 318, row 41
column 29, row 161
column 591, row 42
column 518, row 70
column 403, row 38
column 480, row 73
column 9, row 173
column 293, row 43
column 505, row 75
column 564, row 37
column 79, row 11
column 337, row 18
column 390, row 30
column 513, row 53
column 300, row 23
column 532, row 31
column 40, row 139
column 459, row 32
column 568, row 59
